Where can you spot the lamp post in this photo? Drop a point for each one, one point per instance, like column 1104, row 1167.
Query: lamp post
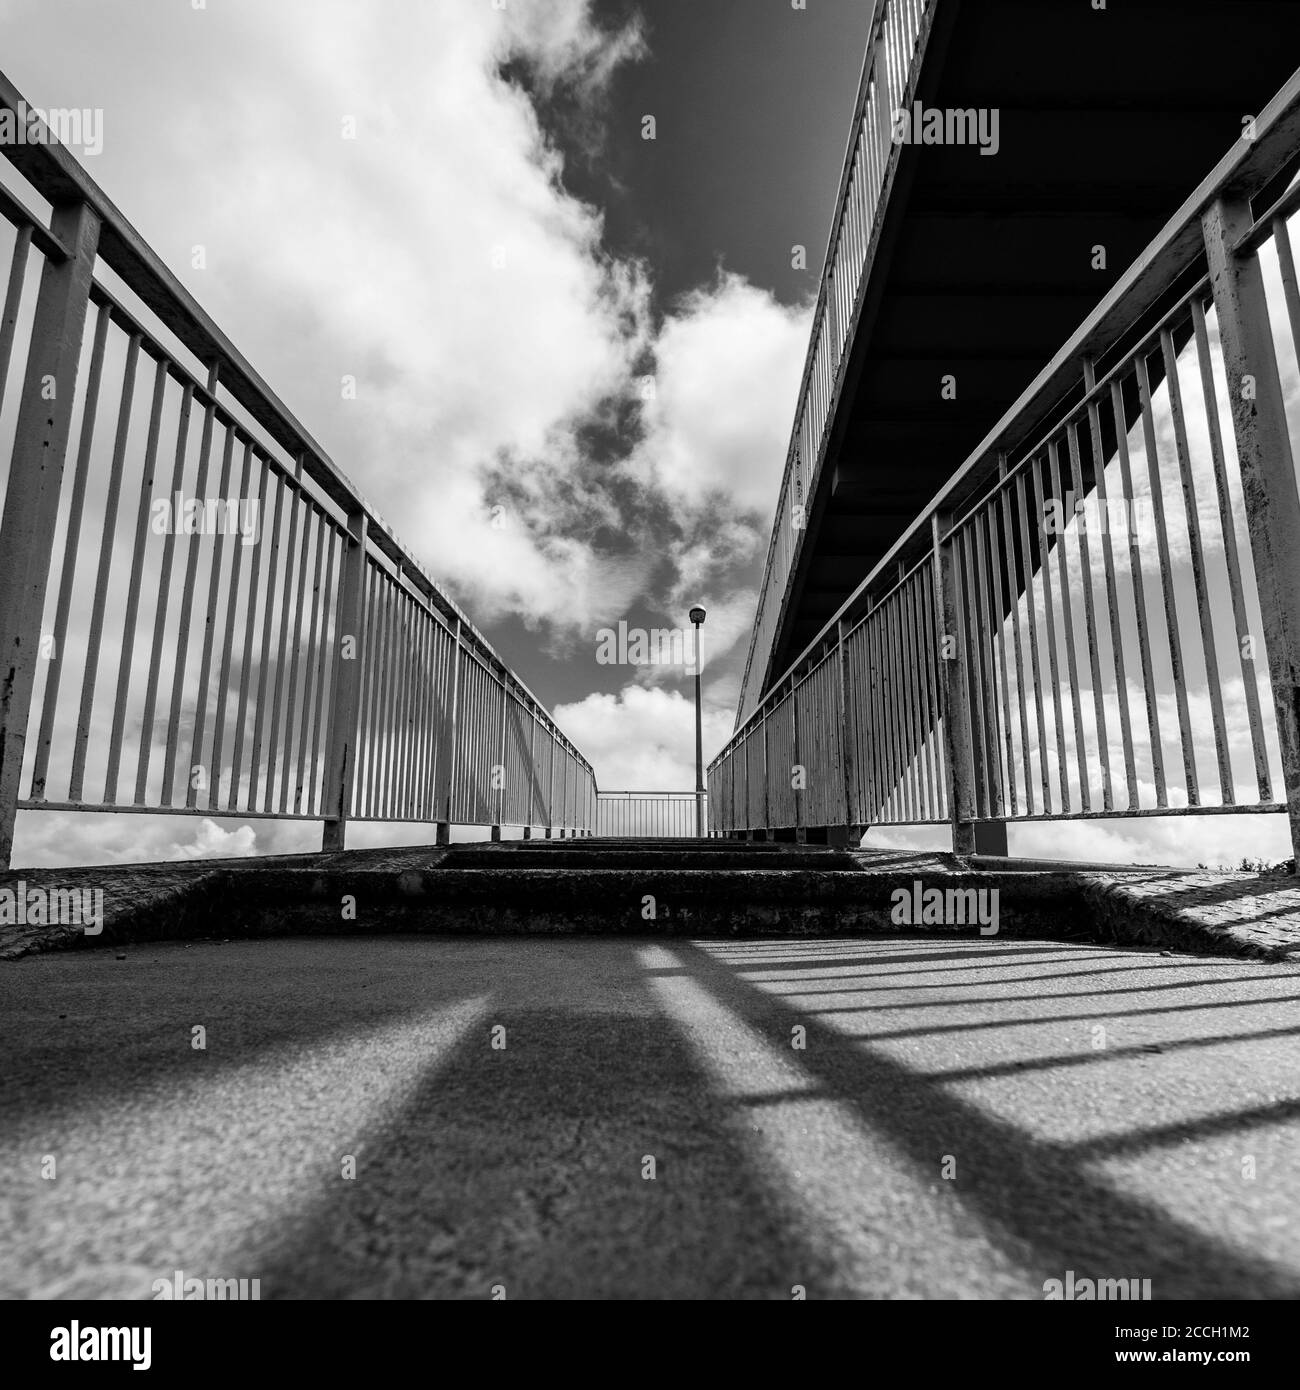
column 697, row 617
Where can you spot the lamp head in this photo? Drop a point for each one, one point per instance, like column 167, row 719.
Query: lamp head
column 697, row 615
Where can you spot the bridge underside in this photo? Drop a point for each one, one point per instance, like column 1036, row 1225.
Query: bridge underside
column 985, row 264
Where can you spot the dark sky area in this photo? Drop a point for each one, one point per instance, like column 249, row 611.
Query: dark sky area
column 751, row 100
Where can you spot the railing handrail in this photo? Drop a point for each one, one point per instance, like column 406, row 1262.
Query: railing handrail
column 58, row 177
column 838, row 219
column 837, row 214
column 1249, row 164
column 688, row 794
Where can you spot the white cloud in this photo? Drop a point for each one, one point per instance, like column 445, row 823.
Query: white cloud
column 726, row 377
column 558, row 36
column 1178, row 841
column 642, row 739
column 435, row 257
column 61, row 837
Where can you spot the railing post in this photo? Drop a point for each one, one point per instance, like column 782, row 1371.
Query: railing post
column 564, row 768
column 453, row 736
column 954, row 691
column 532, row 769
column 991, row 835
column 564, row 802
column 341, row 743
column 1268, row 482
column 833, row 311
column 501, row 759
column 740, row 817
column 744, row 818
column 35, row 479
column 852, row 836
column 767, row 784
column 884, row 106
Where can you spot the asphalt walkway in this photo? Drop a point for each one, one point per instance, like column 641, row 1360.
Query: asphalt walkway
column 964, row 1118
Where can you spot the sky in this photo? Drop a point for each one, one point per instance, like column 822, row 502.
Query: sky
column 576, row 349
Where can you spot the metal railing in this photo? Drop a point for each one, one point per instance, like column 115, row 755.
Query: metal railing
column 895, row 51
column 200, row 614
column 1087, row 619
column 646, row 815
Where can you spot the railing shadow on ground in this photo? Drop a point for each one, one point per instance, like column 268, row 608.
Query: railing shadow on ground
column 523, row 1166
column 1035, row 1200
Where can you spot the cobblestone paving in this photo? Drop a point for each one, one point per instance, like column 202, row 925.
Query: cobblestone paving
column 1243, row 913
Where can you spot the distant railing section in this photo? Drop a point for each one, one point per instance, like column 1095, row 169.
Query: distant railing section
column 646, row 815
column 199, row 614
column 1087, row 621
column 894, row 54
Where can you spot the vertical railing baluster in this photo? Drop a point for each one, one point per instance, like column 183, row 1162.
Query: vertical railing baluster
column 368, row 740
column 1183, row 453
column 325, row 668
column 228, row 638
column 498, row 811
column 194, row 543
column 13, row 302
column 453, row 740
column 1049, row 614
column 848, row 725
column 264, row 665
column 1167, row 580
column 1067, row 624
column 954, row 692
column 1090, row 616
column 1016, row 636
column 277, row 753
column 99, row 603
column 253, row 609
column 1112, row 594
column 211, row 771
column 31, row 504
column 295, row 710
column 1031, row 608
column 986, row 539
column 321, row 529
column 1268, row 481
column 1228, row 529
column 350, row 643
column 71, row 548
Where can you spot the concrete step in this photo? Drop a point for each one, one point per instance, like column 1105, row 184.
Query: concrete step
column 645, row 900
column 711, row 855
column 643, row 889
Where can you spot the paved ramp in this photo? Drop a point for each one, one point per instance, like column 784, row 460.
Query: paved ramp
column 967, row 1118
